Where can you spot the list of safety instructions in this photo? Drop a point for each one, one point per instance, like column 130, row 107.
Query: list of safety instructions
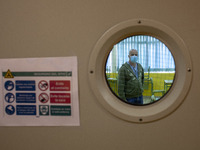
column 34, row 92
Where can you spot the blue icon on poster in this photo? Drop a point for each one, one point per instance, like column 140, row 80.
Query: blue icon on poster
column 10, row 110
column 25, row 85
column 9, row 85
column 26, row 110
column 9, row 97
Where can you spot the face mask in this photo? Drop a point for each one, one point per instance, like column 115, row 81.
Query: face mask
column 134, row 59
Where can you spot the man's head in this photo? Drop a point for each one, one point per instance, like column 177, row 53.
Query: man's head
column 133, row 55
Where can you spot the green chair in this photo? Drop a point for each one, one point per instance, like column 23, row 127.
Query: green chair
column 153, row 92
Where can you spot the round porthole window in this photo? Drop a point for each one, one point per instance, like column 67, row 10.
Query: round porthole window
column 140, row 71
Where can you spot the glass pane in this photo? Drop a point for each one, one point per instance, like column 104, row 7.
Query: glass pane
column 140, row 70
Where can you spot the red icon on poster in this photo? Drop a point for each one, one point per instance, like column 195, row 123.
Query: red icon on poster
column 64, row 98
column 60, row 85
column 43, row 98
column 43, row 85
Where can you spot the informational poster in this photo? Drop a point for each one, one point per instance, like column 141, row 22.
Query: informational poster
column 39, row 92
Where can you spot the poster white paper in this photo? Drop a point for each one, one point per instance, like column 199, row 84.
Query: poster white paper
column 39, row 92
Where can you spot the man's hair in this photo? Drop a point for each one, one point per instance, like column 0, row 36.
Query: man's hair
column 132, row 50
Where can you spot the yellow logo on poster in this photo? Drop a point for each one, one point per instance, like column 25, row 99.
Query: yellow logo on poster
column 8, row 74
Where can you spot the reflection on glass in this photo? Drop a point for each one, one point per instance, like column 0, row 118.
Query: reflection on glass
column 140, row 70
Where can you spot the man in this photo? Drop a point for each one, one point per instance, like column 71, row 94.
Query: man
column 131, row 79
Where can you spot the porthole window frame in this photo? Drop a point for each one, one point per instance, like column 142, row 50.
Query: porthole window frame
column 150, row 72
column 155, row 111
